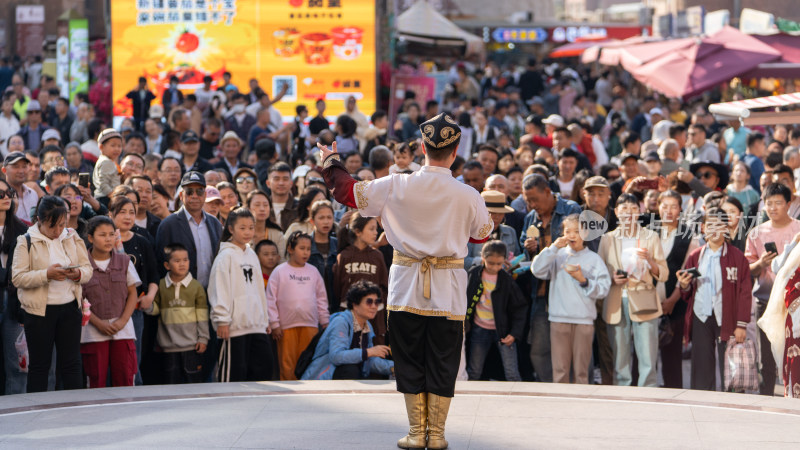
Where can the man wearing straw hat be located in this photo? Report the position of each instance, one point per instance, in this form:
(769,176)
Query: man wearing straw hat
(429,217)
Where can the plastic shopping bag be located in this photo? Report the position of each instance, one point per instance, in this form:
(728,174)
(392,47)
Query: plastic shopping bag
(22,352)
(741,366)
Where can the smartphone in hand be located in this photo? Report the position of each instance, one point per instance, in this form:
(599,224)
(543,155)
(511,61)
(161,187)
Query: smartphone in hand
(83,179)
(771,247)
(622,273)
(693,272)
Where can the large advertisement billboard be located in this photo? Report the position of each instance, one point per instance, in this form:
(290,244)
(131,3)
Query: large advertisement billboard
(317,48)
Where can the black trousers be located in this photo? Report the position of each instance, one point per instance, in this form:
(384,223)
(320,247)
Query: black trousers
(183,367)
(347,372)
(769,371)
(705,336)
(60,327)
(672,353)
(426,352)
(251,358)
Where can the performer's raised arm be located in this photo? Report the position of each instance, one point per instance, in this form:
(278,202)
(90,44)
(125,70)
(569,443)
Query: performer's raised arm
(336,176)
(368,197)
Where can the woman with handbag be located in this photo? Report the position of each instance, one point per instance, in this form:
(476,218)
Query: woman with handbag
(48,273)
(636,262)
(677,242)
(718,294)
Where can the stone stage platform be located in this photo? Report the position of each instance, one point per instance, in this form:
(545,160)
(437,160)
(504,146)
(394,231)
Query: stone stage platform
(371,415)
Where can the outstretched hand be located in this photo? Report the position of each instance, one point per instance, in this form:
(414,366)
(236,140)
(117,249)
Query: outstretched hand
(325,151)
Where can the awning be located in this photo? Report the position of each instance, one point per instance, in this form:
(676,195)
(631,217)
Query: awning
(741,110)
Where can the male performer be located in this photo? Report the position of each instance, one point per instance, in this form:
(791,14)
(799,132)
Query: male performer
(428,217)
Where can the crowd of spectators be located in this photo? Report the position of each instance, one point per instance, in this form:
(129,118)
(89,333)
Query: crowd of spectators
(154,233)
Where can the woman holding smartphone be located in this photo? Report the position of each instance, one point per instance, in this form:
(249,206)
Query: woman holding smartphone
(49,271)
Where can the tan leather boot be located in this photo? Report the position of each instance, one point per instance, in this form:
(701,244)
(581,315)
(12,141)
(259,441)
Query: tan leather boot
(416,408)
(437,416)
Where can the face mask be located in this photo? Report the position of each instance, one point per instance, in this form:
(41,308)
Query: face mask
(173,85)
(238,109)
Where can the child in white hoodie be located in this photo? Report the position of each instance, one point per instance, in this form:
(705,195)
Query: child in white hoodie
(238,300)
(578,278)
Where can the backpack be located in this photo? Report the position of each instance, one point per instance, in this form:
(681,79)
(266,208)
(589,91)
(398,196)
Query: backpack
(305,358)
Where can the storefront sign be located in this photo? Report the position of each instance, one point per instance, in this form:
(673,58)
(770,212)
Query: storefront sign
(519,35)
(30,30)
(572,34)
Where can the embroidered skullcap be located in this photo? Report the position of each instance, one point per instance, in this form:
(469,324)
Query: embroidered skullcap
(440,131)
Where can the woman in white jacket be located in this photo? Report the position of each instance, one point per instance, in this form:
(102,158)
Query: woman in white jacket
(50,265)
(238,300)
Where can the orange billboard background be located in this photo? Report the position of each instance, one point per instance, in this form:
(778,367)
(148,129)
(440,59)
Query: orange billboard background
(320,48)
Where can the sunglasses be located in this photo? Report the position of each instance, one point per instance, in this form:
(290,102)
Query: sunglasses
(372,301)
(706,175)
(241,180)
(11,193)
(195,191)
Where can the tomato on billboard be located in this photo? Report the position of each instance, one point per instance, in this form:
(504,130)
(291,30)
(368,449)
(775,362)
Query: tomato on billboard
(315,48)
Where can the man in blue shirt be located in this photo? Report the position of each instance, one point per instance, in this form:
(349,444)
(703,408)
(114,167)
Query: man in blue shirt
(754,158)
(735,138)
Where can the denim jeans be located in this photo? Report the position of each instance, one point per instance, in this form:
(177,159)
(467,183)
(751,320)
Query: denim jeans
(539,338)
(480,342)
(138,326)
(16,381)
(645,341)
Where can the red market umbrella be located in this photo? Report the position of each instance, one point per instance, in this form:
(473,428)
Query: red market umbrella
(594,53)
(693,69)
(789,64)
(633,56)
(577,48)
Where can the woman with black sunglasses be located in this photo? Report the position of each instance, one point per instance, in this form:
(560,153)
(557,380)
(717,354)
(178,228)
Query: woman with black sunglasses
(345,350)
(11,318)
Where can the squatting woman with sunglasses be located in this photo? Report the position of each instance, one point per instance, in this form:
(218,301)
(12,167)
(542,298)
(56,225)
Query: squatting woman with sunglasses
(345,350)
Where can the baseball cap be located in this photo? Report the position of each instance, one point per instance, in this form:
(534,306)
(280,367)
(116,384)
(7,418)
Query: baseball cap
(657,111)
(596,181)
(652,156)
(625,156)
(51,133)
(193,178)
(156,111)
(212,194)
(536,100)
(189,136)
(108,133)
(554,120)
(13,158)
(34,105)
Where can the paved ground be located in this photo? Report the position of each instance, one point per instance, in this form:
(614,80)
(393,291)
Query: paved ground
(331,415)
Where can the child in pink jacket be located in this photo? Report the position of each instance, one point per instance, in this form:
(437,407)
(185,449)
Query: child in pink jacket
(298,303)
